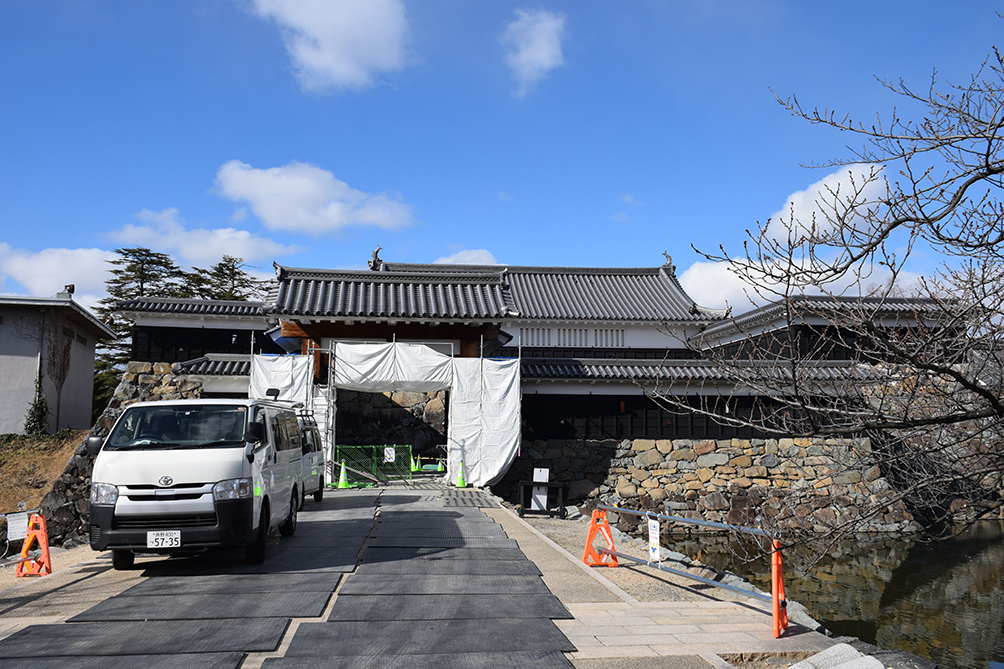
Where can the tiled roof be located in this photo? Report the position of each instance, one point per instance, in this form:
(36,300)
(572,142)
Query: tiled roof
(907,309)
(77,313)
(191,307)
(364,295)
(681,371)
(217,364)
(646,294)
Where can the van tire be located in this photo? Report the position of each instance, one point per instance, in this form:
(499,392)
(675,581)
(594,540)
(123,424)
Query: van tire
(288,527)
(123,560)
(255,552)
(319,493)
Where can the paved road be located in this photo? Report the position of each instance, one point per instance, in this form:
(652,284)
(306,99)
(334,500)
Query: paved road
(395,577)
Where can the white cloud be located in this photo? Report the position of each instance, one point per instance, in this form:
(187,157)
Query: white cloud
(533,46)
(300,197)
(44,273)
(164,231)
(622,215)
(468,257)
(823,202)
(505,197)
(340,43)
(714,285)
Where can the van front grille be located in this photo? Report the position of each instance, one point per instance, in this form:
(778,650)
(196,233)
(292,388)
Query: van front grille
(164,523)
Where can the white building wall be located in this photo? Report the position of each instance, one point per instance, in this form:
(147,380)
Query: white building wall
(18,362)
(597,335)
(78,390)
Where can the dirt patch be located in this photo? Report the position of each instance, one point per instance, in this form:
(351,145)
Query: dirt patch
(30,465)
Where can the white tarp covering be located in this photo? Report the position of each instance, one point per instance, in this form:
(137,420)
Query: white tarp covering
(484,418)
(377,368)
(293,375)
(484,423)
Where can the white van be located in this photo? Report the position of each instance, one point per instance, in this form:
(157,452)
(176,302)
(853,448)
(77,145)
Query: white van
(313,459)
(184,476)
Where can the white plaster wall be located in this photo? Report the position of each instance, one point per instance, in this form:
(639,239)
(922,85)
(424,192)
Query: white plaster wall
(569,334)
(78,391)
(18,361)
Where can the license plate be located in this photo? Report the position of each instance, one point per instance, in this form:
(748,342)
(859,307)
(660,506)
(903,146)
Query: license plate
(163,539)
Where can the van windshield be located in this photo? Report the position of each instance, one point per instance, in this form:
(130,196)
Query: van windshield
(200,426)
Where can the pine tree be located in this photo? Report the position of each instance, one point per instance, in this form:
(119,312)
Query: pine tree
(226,280)
(137,272)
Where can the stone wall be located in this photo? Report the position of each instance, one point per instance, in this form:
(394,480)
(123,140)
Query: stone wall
(67,506)
(414,419)
(808,484)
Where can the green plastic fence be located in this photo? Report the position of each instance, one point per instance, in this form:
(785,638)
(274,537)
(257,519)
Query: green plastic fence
(388,461)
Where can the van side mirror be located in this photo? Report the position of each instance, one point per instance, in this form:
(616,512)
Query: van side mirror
(249,453)
(254,433)
(94,445)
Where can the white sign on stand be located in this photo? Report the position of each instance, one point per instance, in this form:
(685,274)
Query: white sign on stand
(654,554)
(389,454)
(538,495)
(17,526)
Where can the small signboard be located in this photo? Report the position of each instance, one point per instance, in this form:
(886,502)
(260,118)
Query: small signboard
(538,498)
(654,554)
(17,526)
(389,454)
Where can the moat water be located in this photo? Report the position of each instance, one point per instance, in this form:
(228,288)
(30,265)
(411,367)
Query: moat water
(943,601)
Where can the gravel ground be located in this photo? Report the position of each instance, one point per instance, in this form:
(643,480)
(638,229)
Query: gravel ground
(61,559)
(642,582)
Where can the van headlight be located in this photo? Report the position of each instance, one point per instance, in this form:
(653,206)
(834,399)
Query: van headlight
(104,494)
(232,489)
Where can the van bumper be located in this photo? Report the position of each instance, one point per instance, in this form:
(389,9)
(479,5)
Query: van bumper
(233,528)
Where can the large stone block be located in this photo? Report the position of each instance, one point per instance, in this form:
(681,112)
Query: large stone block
(741,461)
(664,446)
(657,494)
(712,460)
(649,458)
(685,454)
(705,447)
(643,445)
(714,502)
(435,414)
(134,367)
(582,488)
(408,399)
(638,474)
(625,489)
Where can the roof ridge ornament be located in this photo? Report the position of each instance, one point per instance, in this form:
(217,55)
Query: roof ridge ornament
(375,263)
(668,265)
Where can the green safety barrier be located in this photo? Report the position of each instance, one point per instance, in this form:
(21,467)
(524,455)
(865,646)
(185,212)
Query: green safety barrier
(393,462)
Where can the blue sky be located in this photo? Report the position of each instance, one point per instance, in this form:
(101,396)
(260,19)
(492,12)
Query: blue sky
(565,133)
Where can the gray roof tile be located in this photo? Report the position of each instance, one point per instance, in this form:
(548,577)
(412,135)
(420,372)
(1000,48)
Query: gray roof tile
(217,364)
(676,370)
(362,295)
(907,309)
(645,294)
(191,307)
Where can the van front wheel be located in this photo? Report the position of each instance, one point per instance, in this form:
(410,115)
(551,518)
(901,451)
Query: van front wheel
(256,551)
(289,527)
(122,560)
